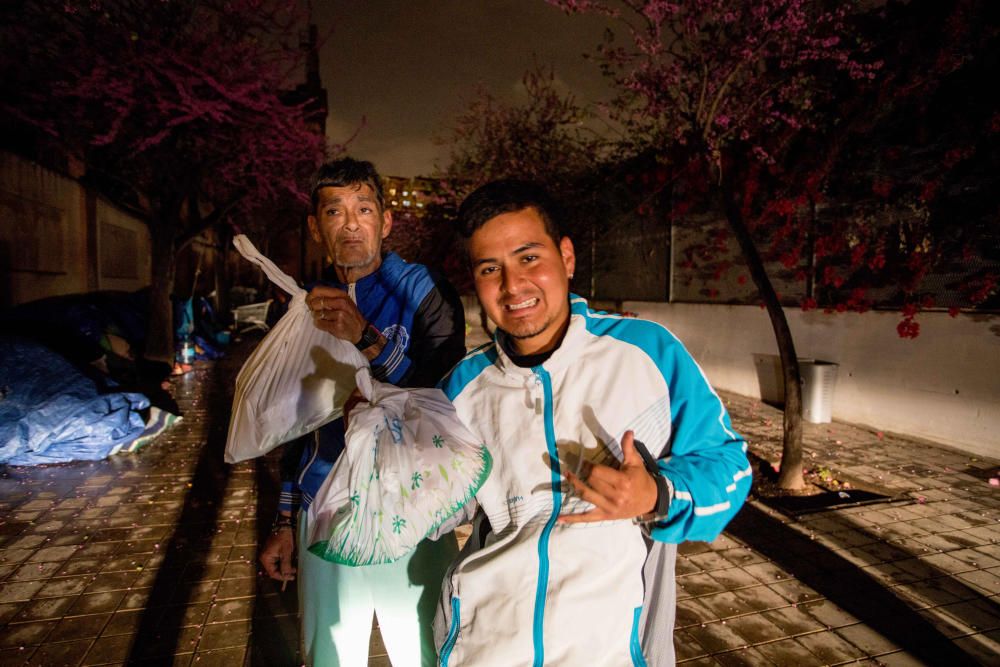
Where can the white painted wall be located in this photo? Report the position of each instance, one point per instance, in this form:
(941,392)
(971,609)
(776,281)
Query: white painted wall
(943,386)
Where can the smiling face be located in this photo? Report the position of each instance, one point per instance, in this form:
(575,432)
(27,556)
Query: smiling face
(349,224)
(522,279)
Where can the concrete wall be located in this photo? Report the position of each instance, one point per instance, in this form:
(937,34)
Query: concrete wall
(49,247)
(124,250)
(43,233)
(943,385)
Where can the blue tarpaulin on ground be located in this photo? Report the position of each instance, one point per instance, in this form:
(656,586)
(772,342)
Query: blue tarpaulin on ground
(50,412)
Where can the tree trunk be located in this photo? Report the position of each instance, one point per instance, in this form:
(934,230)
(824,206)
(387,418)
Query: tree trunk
(790,475)
(223,281)
(160,327)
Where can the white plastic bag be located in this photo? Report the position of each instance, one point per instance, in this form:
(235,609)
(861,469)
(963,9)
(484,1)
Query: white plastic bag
(409,464)
(296,380)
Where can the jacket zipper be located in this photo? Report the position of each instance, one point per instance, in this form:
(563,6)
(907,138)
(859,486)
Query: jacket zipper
(449,643)
(635,647)
(312,458)
(542,376)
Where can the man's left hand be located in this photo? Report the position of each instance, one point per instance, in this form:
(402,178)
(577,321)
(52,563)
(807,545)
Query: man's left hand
(349,404)
(623,493)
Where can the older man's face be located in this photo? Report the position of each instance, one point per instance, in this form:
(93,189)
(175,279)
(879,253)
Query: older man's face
(350,226)
(522,278)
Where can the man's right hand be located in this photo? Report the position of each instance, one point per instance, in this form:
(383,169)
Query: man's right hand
(335,313)
(276,556)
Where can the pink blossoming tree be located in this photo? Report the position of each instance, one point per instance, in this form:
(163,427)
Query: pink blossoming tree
(755,105)
(173,106)
(730,85)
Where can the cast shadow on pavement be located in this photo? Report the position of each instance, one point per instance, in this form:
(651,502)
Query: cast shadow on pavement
(854,590)
(274,634)
(178,584)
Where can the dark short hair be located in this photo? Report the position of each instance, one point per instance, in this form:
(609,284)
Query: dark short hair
(346,172)
(506,196)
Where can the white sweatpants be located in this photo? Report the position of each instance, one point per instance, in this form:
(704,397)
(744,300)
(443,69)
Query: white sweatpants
(336,603)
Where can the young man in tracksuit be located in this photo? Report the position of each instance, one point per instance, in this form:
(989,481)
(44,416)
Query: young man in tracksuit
(410,325)
(609,448)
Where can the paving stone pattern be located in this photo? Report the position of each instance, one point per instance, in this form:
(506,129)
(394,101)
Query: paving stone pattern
(149,558)
(145,558)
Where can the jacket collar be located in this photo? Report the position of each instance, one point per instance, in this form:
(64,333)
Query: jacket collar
(388,272)
(565,355)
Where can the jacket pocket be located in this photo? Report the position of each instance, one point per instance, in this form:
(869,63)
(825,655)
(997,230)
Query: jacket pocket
(449,642)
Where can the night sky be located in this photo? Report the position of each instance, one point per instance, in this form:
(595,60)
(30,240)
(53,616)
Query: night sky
(407,67)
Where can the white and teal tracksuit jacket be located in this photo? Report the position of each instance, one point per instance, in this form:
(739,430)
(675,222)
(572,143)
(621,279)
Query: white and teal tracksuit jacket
(536,592)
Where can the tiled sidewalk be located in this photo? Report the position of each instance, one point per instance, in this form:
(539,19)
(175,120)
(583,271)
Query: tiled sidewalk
(909,582)
(143,558)
(148,558)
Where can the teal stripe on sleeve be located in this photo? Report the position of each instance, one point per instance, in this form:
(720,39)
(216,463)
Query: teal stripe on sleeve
(705,460)
(467,370)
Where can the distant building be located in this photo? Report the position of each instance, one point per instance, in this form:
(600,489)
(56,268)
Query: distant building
(410,195)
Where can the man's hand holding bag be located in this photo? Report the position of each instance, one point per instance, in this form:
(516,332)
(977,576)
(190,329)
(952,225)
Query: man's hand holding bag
(296,380)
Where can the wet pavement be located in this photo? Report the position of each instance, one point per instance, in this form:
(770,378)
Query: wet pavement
(149,558)
(911,580)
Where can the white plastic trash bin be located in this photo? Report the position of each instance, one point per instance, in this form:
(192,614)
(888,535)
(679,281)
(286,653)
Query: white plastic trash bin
(819,378)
